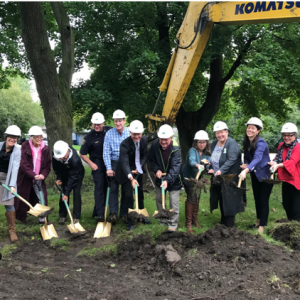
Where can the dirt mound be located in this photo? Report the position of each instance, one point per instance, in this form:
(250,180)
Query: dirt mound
(288,233)
(222,263)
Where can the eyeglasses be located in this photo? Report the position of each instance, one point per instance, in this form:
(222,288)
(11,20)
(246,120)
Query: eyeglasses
(37,137)
(201,142)
(12,137)
(287,135)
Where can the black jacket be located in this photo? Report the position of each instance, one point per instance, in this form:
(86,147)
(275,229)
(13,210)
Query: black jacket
(92,144)
(127,158)
(229,163)
(172,169)
(69,173)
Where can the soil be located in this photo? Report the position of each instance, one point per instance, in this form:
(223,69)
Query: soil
(222,263)
(164,214)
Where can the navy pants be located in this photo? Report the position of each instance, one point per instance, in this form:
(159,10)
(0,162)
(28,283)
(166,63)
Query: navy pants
(76,203)
(100,190)
(261,193)
(114,194)
(291,201)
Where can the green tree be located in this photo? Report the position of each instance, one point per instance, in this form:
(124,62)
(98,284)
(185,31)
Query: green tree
(18,107)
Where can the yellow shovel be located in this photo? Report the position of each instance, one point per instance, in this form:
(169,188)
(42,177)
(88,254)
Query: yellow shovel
(40,211)
(73,228)
(103,229)
(48,231)
(142,212)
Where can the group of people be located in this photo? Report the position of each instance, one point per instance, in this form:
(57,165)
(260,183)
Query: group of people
(118,156)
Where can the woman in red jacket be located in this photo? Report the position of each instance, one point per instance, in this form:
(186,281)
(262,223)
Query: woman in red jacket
(35,165)
(287,163)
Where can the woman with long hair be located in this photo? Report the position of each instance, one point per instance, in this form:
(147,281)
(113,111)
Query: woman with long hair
(256,158)
(199,152)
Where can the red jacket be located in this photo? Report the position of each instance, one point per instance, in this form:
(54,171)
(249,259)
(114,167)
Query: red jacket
(291,172)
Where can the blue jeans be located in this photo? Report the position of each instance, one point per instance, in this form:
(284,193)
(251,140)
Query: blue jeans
(9,208)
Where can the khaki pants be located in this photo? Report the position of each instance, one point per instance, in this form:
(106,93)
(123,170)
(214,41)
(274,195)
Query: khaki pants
(174,204)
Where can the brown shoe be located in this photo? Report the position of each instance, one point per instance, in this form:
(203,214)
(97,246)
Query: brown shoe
(188,216)
(195,214)
(11,221)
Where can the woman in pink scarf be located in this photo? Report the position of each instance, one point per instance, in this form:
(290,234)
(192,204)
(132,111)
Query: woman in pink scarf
(35,165)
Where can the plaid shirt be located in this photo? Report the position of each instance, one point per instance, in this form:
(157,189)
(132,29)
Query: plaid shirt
(111,146)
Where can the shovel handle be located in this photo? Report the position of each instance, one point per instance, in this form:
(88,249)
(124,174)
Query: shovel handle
(198,174)
(163,174)
(136,196)
(163,197)
(17,195)
(272,176)
(68,209)
(240,182)
(107,196)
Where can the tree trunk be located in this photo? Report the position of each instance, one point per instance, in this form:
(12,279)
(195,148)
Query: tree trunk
(188,123)
(53,88)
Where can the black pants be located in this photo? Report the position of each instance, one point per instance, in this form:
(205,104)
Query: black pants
(128,194)
(191,195)
(228,221)
(76,203)
(100,190)
(291,201)
(114,194)
(261,192)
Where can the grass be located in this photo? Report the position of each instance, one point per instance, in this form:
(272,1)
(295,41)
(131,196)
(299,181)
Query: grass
(7,249)
(112,248)
(60,243)
(207,220)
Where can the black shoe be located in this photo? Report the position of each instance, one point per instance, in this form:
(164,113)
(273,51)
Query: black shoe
(129,227)
(100,218)
(146,221)
(124,219)
(252,226)
(113,219)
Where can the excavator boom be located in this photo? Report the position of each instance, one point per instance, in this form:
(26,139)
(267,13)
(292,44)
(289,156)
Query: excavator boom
(193,36)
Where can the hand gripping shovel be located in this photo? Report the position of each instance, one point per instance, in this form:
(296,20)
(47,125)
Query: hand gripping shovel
(40,211)
(271,180)
(73,228)
(237,186)
(103,229)
(164,214)
(48,231)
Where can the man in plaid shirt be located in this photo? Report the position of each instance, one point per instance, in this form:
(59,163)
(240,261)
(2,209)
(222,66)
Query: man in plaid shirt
(111,152)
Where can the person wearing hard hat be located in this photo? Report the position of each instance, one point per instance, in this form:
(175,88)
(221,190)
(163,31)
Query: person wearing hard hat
(164,157)
(69,171)
(287,164)
(197,159)
(133,156)
(35,167)
(10,156)
(225,160)
(111,153)
(92,144)
(256,158)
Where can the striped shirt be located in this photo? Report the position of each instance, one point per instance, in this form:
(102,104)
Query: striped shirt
(111,146)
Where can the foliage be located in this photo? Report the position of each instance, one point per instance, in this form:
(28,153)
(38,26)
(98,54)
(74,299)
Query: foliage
(17,105)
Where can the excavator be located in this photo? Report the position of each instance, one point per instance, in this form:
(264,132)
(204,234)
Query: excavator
(193,36)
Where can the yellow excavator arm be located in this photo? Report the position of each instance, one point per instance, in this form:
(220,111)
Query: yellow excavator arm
(193,36)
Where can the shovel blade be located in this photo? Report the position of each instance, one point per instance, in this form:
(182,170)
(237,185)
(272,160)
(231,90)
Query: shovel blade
(34,212)
(155,213)
(72,228)
(79,227)
(49,232)
(103,230)
(41,207)
(271,181)
(143,212)
(130,210)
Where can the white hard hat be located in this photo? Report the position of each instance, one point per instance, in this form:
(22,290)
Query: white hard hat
(201,135)
(97,118)
(289,127)
(165,132)
(136,127)
(35,130)
(220,126)
(60,149)
(13,130)
(119,114)
(255,121)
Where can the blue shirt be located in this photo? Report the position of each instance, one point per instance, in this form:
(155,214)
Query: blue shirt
(111,146)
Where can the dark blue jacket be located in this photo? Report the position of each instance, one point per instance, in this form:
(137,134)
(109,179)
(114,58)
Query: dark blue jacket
(258,159)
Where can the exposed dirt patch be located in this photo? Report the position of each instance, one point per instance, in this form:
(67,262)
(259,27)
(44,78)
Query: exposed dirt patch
(222,263)
(288,233)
